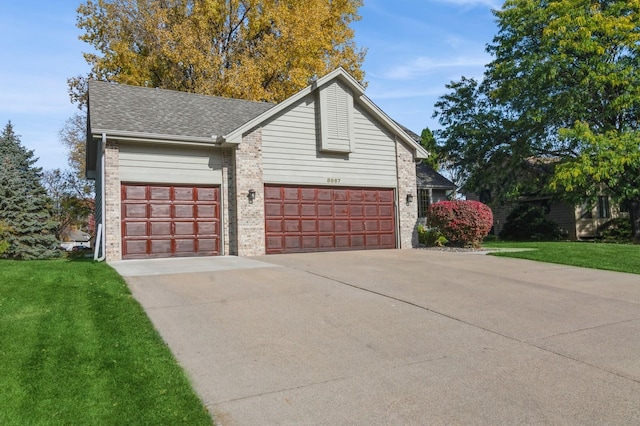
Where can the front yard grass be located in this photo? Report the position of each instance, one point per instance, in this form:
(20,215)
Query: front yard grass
(76,348)
(612,257)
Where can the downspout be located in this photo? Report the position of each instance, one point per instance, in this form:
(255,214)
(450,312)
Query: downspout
(100,239)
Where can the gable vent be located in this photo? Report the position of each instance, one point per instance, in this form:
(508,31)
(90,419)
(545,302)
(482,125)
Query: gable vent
(336,118)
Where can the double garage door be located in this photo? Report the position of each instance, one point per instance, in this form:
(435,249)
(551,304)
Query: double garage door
(170,221)
(308,219)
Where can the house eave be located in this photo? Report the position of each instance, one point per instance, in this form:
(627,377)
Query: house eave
(144,137)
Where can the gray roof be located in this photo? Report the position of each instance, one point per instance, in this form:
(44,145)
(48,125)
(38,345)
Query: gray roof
(429,178)
(122,108)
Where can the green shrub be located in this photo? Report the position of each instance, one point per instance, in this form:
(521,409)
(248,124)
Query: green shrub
(431,237)
(462,222)
(526,223)
(616,230)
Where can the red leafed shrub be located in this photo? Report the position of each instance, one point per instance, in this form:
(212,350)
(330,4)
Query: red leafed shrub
(462,222)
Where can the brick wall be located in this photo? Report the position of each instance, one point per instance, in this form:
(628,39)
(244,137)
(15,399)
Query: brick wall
(407,212)
(112,201)
(249,216)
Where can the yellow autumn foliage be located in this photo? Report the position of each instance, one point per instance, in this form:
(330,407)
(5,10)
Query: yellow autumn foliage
(249,49)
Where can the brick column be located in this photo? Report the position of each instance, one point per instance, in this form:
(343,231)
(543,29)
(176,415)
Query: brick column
(407,212)
(229,203)
(112,199)
(249,215)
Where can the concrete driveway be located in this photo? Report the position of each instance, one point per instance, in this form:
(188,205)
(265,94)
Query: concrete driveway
(399,337)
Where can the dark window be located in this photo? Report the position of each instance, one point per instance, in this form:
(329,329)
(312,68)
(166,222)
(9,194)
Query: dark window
(485,196)
(423,202)
(604,211)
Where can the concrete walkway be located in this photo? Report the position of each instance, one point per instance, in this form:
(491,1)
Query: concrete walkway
(402,337)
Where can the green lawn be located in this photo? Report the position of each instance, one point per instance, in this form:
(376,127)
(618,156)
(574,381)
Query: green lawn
(613,257)
(76,348)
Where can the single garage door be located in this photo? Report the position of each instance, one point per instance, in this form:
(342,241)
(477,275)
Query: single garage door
(307,219)
(170,221)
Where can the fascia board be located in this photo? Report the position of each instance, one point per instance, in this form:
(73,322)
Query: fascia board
(154,137)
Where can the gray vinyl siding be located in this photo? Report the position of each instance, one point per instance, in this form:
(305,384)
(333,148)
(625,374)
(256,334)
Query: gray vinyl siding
(291,154)
(174,165)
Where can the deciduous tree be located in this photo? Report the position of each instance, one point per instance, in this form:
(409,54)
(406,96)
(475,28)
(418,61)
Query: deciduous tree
(563,85)
(248,49)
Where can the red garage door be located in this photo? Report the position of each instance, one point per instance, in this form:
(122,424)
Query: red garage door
(169,221)
(307,219)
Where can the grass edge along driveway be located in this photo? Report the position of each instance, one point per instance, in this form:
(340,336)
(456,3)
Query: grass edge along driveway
(610,257)
(76,348)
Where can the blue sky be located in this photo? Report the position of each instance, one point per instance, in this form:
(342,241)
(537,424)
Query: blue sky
(414,48)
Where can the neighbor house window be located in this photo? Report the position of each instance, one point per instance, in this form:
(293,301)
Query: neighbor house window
(423,202)
(604,211)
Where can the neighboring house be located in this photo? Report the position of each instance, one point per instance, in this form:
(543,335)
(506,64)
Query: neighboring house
(181,174)
(75,238)
(578,222)
(431,187)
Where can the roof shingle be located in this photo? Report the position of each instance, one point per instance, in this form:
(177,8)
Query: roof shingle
(119,107)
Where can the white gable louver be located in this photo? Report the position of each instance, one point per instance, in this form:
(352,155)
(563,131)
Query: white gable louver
(336,118)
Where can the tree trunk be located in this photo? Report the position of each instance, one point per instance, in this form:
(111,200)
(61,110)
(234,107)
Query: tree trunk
(634,213)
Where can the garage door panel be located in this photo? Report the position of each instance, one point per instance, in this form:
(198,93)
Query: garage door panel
(273,210)
(207,246)
(136,228)
(309,242)
(158,229)
(357,241)
(207,194)
(137,211)
(292,243)
(184,211)
(341,226)
(184,228)
(167,221)
(325,226)
(371,225)
(308,194)
(325,210)
(274,225)
(207,228)
(326,242)
(272,193)
(159,193)
(207,211)
(387,241)
(342,241)
(292,225)
(386,225)
(309,226)
(136,247)
(160,248)
(308,210)
(134,192)
(291,209)
(290,194)
(159,210)
(323,218)
(183,194)
(324,194)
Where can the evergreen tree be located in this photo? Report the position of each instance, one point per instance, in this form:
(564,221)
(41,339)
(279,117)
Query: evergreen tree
(24,206)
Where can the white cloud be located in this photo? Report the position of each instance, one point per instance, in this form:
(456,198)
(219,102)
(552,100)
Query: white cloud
(493,4)
(423,66)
